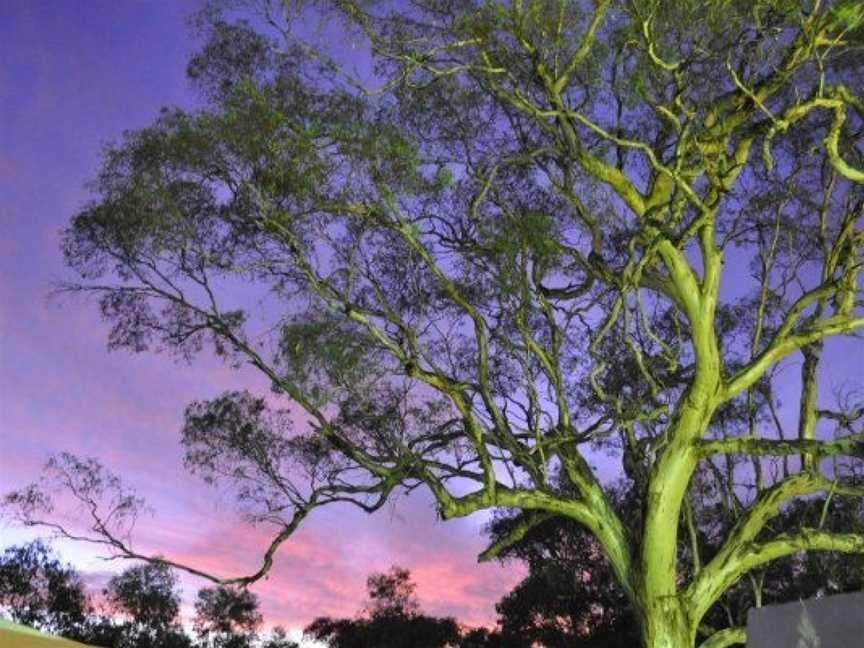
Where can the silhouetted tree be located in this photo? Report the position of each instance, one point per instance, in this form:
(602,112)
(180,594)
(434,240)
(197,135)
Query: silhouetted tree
(483,638)
(551,226)
(146,594)
(278,638)
(147,598)
(392,619)
(570,596)
(392,593)
(141,606)
(36,589)
(227,617)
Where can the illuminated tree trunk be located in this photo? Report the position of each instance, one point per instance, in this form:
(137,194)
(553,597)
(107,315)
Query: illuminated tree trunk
(665,625)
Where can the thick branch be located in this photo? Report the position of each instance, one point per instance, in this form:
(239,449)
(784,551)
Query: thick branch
(785,544)
(585,46)
(600,520)
(732,561)
(781,346)
(852,445)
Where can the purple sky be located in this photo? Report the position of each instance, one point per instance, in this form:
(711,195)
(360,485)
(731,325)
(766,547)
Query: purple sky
(73,76)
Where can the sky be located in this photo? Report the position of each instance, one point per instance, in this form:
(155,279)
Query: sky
(73,76)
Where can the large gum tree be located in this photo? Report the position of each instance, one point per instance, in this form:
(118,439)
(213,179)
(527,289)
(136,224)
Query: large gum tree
(469,243)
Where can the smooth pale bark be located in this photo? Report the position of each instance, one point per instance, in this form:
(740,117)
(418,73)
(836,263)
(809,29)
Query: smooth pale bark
(666,624)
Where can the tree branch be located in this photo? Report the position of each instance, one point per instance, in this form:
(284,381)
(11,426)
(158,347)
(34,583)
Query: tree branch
(727,637)
(852,445)
(514,535)
(781,346)
(732,561)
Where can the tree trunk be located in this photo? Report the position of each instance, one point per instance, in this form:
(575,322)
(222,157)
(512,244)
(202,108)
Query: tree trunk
(666,625)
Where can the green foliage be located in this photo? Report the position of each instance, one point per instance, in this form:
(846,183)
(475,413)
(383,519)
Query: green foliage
(850,14)
(325,356)
(513,237)
(445,177)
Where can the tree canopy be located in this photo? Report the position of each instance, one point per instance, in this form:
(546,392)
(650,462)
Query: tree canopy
(143,610)
(36,589)
(516,233)
(146,593)
(227,617)
(392,619)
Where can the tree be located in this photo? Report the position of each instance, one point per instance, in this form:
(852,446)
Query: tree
(798,576)
(36,589)
(481,638)
(227,617)
(392,619)
(392,593)
(147,598)
(386,631)
(146,594)
(550,225)
(278,639)
(571,597)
